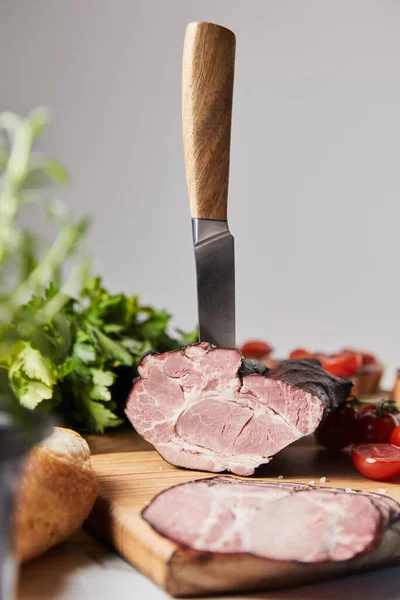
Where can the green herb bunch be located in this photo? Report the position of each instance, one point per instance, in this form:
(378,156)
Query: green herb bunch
(70,346)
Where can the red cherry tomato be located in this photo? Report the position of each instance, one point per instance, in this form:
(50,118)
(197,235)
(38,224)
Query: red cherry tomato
(367,357)
(345,364)
(300,353)
(370,428)
(342,365)
(366,408)
(376,461)
(256,349)
(395,436)
(336,432)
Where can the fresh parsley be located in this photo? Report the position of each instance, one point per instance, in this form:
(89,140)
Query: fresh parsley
(81,363)
(70,348)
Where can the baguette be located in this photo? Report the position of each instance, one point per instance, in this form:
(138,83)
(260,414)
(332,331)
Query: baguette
(56,492)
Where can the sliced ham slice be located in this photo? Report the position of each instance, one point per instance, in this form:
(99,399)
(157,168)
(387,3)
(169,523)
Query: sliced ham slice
(207,408)
(275,521)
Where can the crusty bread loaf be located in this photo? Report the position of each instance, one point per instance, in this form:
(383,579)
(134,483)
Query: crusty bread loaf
(56,493)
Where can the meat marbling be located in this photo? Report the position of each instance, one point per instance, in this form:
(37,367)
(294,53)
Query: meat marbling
(276,521)
(207,408)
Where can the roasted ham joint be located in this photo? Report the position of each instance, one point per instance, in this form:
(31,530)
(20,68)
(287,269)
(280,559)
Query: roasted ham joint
(209,409)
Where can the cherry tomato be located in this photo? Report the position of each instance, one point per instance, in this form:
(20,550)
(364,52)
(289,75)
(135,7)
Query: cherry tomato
(376,461)
(366,408)
(256,349)
(370,428)
(336,432)
(342,365)
(300,353)
(395,436)
(376,425)
(367,357)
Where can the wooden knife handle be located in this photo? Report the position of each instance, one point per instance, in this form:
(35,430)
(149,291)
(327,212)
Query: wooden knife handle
(207,90)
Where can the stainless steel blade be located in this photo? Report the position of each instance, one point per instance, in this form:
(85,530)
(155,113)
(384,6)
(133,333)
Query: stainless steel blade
(215,270)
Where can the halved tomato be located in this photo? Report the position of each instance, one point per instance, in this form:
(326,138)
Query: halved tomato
(376,461)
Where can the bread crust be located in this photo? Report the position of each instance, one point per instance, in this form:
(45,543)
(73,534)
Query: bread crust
(56,492)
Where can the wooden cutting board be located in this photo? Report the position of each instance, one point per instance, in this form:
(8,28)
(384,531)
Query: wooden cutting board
(131,473)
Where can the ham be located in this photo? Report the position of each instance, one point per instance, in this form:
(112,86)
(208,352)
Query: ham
(207,408)
(273,521)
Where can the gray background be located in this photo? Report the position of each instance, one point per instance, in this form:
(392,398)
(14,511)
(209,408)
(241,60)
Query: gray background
(314,187)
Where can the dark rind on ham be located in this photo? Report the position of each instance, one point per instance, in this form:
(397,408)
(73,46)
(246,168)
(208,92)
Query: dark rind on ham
(308,375)
(207,408)
(251,366)
(385,509)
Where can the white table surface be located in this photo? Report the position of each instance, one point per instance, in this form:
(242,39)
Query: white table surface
(83,569)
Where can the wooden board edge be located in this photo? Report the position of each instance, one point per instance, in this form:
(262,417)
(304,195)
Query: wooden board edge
(115,532)
(181,572)
(194,574)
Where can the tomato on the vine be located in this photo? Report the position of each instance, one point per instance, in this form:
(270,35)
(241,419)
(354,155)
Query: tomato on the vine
(355,422)
(336,432)
(376,461)
(370,428)
(395,436)
(256,349)
(366,408)
(376,425)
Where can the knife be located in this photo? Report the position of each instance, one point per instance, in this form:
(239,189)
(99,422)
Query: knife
(207,90)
